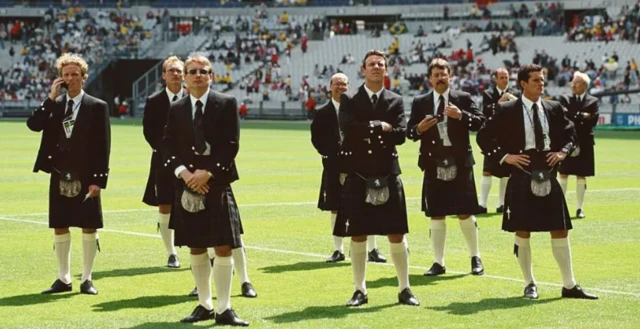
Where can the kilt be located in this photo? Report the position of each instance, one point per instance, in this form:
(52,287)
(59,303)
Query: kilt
(72,212)
(456,197)
(159,188)
(527,212)
(329,198)
(217,225)
(356,217)
(583,164)
(494,168)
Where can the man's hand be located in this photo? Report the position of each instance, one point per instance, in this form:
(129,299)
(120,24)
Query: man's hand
(504,98)
(386,127)
(94,191)
(426,123)
(453,111)
(55,88)
(553,158)
(517,160)
(199,181)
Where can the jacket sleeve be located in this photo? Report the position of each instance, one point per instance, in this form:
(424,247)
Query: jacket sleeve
(148,125)
(353,128)
(170,141)
(398,132)
(416,116)
(317,133)
(569,136)
(224,154)
(472,117)
(487,107)
(102,150)
(41,115)
(487,137)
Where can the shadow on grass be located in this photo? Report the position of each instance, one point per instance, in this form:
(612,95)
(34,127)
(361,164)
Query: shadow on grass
(324,312)
(156,325)
(302,266)
(145,302)
(414,279)
(36,298)
(135,271)
(490,304)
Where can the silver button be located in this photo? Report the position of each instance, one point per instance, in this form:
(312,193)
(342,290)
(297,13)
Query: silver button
(370,152)
(49,157)
(190,166)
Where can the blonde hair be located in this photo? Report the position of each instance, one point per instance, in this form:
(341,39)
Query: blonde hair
(198,59)
(72,59)
(170,60)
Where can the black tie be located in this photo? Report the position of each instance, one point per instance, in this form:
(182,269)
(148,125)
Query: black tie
(537,128)
(441,105)
(175,98)
(69,111)
(201,145)
(374,99)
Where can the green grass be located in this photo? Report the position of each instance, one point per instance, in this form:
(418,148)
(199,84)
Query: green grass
(288,239)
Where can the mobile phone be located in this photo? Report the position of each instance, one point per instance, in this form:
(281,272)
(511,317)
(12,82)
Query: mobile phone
(65,85)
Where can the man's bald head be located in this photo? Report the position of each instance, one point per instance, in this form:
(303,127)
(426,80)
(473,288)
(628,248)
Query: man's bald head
(338,84)
(501,78)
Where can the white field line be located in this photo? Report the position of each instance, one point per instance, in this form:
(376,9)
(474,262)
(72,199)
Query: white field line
(284,204)
(307,254)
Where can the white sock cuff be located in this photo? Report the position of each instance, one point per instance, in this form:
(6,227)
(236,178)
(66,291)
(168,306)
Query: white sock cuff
(504,180)
(62,237)
(581,181)
(211,252)
(523,242)
(199,259)
(358,247)
(486,180)
(397,248)
(563,180)
(90,236)
(438,224)
(164,218)
(223,261)
(560,243)
(468,223)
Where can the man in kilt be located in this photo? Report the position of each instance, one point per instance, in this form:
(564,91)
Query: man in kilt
(583,110)
(159,191)
(501,93)
(531,136)
(201,141)
(74,149)
(441,120)
(326,138)
(373,201)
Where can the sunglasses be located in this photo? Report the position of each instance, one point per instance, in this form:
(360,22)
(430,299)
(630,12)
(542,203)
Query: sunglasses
(201,71)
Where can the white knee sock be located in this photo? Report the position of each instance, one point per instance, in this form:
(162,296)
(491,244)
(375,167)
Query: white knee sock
(485,187)
(211,252)
(563,184)
(240,261)
(438,238)
(469,229)
(371,243)
(166,233)
(503,190)
(400,259)
(62,244)
(201,269)
(523,253)
(222,274)
(89,249)
(337,240)
(562,254)
(581,188)
(359,265)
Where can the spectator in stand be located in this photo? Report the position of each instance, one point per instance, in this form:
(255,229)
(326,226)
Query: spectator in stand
(243,111)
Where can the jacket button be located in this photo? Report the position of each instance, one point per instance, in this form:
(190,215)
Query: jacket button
(370,152)
(190,166)
(49,157)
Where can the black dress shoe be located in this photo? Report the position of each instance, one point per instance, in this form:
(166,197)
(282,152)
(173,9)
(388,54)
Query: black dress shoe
(194,292)
(229,318)
(576,292)
(359,298)
(406,297)
(87,288)
(173,261)
(531,291)
(199,314)
(376,257)
(500,209)
(579,214)
(482,210)
(436,269)
(337,256)
(476,266)
(58,286)
(248,291)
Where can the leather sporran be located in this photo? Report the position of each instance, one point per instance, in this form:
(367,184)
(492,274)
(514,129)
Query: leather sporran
(447,169)
(576,152)
(70,184)
(377,190)
(191,201)
(540,183)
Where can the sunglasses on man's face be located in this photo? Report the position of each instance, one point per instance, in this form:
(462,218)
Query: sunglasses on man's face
(201,71)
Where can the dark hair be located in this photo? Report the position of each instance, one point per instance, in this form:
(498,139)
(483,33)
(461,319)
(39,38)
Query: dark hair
(374,52)
(438,63)
(525,70)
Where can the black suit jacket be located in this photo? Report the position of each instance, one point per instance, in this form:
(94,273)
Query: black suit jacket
(575,109)
(504,133)
(490,99)
(156,110)
(90,143)
(325,134)
(430,149)
(221,130)
(366,149)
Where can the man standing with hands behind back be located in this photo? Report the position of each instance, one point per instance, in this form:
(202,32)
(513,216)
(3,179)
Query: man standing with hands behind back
(74,149)
(201,142)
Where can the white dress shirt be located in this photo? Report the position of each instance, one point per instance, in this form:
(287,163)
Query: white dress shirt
(193,100)
(180,94)
(530,137)
(436,102)
(76,108)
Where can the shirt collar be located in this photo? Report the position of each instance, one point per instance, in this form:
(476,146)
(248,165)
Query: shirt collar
(370,93)
(180,94)
(203,99)
(436,96)
(77,99)
(335,104)
(582,96)
(528,103)
(502,91)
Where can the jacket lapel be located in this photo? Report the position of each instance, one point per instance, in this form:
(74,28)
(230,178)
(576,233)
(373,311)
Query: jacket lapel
(519,124)
(82,119)
(363,99)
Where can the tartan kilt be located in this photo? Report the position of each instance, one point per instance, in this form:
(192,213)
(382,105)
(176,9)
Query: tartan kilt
(72,212)
(494,168)
(581,165)
(456,197)
(159,189)
(218,225)
(329,198)
(524,211)
(356,217)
